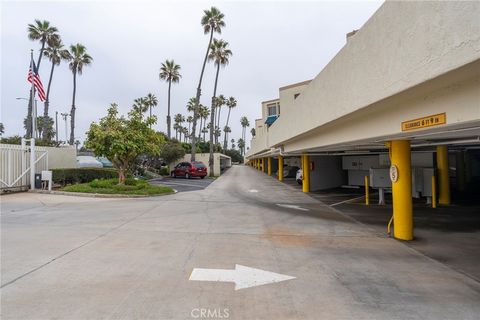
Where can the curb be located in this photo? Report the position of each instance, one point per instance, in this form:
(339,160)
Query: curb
(100,195)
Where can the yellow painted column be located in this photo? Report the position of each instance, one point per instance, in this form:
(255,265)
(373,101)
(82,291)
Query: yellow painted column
(402,189)
(269,166)
(263,164)
(280,168)
(306,173)
(460,171)
(443,177)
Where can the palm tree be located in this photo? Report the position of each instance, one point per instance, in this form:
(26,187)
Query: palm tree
(189,120)
(212,22)
(179,119)
(170,72)
(46,34)
(233,143)
(226,131)
(185,133)
(151,101)
(231,103)
(220,101)
(244,122)
(140,104)
(176,127)
(55,52)
(220,54)
(203,114)
(78,59)
(241,145)
(253,132)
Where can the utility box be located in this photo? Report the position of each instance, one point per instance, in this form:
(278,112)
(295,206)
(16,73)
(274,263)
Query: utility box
(380,178)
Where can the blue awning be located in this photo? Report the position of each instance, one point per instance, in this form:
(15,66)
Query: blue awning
(271,119)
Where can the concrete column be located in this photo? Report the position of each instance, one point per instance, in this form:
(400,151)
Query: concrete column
(460,171)
(263,164)
(443,176)
(280,168)
(402,190)
(468,167)
(306,173)
(269,166)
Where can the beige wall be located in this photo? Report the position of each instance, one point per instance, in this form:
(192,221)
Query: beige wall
(411,59)
(62,157)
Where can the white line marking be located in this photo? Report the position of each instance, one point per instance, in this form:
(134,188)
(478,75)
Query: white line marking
(292,206)
(242,276)
(253,190)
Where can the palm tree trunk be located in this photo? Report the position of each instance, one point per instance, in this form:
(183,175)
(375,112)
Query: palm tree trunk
(225,134)
(40,56)
(218,125)
(212,123)
(197,101)
(72,111)
(200,129)
(169,120)
(47,103)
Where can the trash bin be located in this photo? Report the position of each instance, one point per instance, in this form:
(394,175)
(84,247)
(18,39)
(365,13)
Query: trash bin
(38,181)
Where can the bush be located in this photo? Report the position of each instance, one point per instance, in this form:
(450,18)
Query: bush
(165,171)
(82,175)
(110,186)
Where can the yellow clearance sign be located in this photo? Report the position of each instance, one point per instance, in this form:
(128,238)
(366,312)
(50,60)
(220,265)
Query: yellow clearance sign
(428,121)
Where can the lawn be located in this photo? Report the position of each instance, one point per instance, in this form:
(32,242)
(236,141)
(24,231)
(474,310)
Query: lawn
(110,186)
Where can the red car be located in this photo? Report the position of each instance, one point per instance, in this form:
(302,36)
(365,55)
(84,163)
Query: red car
(189,170)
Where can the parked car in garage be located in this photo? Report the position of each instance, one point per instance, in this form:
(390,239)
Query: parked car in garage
(88,162)
(289,171)
(299,176)
(189,170)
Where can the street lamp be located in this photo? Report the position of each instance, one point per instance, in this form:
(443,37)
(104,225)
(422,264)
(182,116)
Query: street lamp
(64,116)
(34,116)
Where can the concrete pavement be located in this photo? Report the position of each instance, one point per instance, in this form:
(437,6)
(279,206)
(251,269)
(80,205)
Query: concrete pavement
(87,258)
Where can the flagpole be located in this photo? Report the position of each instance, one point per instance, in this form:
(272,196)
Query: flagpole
(32,97)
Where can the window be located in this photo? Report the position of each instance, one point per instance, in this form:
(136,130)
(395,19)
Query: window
(272,109)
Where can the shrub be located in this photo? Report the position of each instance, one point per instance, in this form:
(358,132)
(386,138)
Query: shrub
(165,171)
(82,175)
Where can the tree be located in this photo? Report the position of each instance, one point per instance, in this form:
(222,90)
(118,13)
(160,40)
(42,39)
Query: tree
(45,33)
(203,114)
(189,120)
(220,101)
(252,132)
(179,119)
(122,140)
(170,72)
(231,103)
(241,145)
(78,59)
(151,101)
(235,155)
(2,129)
(55,52)
(233,143)
(140,104)
(220,54)
(244,122)
(171,151)
(212,22)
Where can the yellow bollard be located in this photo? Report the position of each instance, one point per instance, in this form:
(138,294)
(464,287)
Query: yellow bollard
(280,168)
(443,177)
(402,189)
(269,166)
(306,173)
(367,191)
(434,192)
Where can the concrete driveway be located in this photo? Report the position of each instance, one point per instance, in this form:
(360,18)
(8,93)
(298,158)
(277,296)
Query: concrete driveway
(182,185)
(85,258)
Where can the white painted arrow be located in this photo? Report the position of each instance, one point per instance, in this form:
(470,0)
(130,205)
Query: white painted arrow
(292,206)
(242,276)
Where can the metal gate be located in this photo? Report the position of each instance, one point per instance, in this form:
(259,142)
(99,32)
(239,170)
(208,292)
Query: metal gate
(15,164)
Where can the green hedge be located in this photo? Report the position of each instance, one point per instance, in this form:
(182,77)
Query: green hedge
(82,175)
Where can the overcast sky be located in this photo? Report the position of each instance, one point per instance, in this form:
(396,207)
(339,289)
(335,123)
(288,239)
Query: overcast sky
(274,44)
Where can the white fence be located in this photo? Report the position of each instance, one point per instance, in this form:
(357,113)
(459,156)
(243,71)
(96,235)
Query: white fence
(15,166)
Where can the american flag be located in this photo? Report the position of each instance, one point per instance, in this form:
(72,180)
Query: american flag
(35,77)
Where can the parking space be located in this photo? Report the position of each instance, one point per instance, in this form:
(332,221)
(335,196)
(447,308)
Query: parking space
(184,185)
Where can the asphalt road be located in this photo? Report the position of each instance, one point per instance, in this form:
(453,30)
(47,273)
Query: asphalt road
(182,184)
(65,257)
